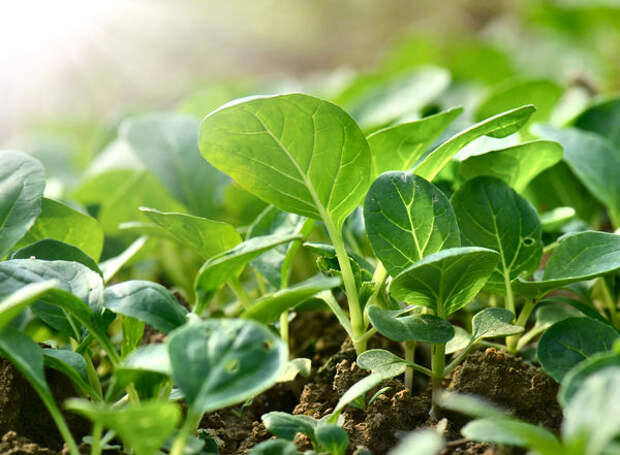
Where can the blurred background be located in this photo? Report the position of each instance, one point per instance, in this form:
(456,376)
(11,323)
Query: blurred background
(85,62)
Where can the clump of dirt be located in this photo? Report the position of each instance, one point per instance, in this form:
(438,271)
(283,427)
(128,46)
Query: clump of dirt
(318,336)
(12,444)
(512,383)
(22,411)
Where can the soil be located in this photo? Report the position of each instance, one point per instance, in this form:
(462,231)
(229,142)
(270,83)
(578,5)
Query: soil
(507,381)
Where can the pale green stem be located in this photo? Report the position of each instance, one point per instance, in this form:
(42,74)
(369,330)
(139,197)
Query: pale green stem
(513,340)
(409,357)
(191,422)
(609,301)
(284,332)
(438,365)
(379,278)
(95,447)
(356,316)
(457,360)
(60,422)
(237,288)
(550,247)
(509,301)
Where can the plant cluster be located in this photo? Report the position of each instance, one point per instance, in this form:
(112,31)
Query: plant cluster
(442,231)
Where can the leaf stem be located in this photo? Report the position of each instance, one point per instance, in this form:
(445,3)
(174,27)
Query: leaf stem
(95,447)
(438,364)
(191,422)
(409,357)
(237,288)
(509,301)
(356,316)
(59,420)
(609,301)
(284,332)
(513,340)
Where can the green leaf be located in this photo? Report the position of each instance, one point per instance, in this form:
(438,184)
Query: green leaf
(573,381)
(268,308)
(594,160)
(399,147)
(459,341)
(219,269)
(543,94)
(553,220)
(494,216)
(274,221)
(52,250)
(513,433)
(111,266)
(167,144)
(299,153)
(471,405)
(568,342)
(146,301)
(422,442)
(141,189)
(299,366)
(22,181)
(60,222)
(602,118)
(516,165)
(579,256)
(286,426)
(149,364)
(447,280)
(493,322)
(591,417)
(12,305)
(274,447)
(218,363)
(418,327)
(143,426)
(205,237)
(332,438)
(406,219)
(499,126)
(72,365)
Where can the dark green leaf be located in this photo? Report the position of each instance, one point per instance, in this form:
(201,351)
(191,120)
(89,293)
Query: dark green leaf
(147,301)
(274,447)
(493,215)
(418,327)
(269,307)
(573,381)
(284,425)
(301,154)
(493,322)
(447,280)
(22,181)
(52,250)
(15,302)
(568,342)
(332,438)
(218,363)
(406,219)
(602,118)
(516,165)
(72,365)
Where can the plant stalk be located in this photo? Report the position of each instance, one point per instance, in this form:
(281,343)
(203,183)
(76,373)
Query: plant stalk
(438,365)
(512,341)
(358,327)
(191,422)
(410,357)
(95,447)
(509,301)
(237,288)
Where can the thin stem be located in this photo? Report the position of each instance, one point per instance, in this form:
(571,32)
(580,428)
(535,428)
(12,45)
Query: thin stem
(379,278)
(356,316)
(550,247)
(284,333)
(609,301)
(510,299)
(457,360)
(60,422)
(95,447)
(237,288)
(513,340)
(438,364)
(191,422)
(409,357)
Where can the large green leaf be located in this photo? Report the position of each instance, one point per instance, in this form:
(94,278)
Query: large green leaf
(568,342)
(406,219)
(15,302)
(516,165)
(219,269)
(60,222)
(413,327)
(573,381)
(602,118)
(302,154)
(72,365)
(138,190)
(206,237)
(499,126)
(594,160)
(269,307)
(144,426)
(493,322)
(579,256)
(22,181)
(167,144)
(399,147)
(447,280)
(543,94)
(52,250)
(493,215)
(591,421)
(218,363)
(147,301)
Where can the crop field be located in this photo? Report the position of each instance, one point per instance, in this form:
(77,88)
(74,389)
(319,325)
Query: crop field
(417,258)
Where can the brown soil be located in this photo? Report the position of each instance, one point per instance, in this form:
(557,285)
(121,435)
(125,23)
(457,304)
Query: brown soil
(22,411)
(11,444)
